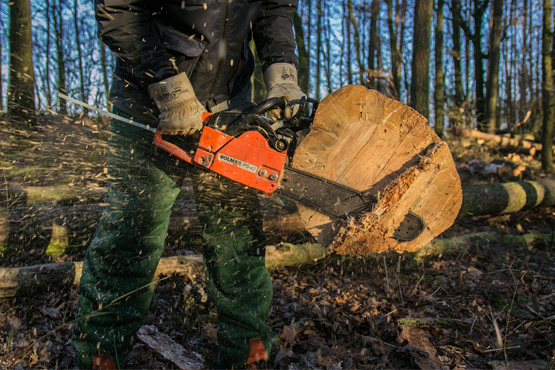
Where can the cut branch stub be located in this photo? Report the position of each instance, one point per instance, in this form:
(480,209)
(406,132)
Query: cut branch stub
(379,146)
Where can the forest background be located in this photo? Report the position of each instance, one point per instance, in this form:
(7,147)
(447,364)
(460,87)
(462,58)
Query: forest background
(471,63)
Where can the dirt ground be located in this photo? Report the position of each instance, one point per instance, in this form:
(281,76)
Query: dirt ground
(488,307)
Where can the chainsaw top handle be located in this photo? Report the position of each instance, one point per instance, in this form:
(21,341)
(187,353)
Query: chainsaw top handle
(250,117)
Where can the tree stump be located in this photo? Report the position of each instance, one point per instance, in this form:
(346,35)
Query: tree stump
(379,146)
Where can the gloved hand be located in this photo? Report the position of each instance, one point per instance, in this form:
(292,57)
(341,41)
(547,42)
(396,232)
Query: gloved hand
(281,81)
(180,110)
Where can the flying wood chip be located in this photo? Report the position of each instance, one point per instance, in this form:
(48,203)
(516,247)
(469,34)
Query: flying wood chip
(379,146)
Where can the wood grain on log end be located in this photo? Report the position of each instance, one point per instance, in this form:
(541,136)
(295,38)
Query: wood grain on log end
(380,146)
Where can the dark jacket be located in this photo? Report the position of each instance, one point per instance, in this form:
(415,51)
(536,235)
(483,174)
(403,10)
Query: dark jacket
(207,39)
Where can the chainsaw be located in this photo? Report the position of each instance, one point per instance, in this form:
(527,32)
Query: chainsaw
(245,146)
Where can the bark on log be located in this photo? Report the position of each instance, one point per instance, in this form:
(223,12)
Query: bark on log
(17,281)
(460,244)
(509,197)
(380,146)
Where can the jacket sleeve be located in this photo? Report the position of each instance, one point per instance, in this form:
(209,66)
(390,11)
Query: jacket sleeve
(273,32)
(125,26)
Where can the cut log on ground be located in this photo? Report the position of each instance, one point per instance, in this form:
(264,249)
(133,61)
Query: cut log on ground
(18,281)
(497,139)
(460,244)
(509,197)
(35,226)
(516,150)
(379,146)
(11,196)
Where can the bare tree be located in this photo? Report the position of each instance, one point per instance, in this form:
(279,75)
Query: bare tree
(420,81)
(547,89)
(79,53)
(439,78)
(374,42)
(21,93)
(356,39)
(60,60)
(492,84)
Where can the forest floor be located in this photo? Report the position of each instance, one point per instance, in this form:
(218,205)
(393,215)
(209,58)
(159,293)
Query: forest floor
(489,307)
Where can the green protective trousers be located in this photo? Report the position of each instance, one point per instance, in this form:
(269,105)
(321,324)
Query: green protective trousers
(116,285)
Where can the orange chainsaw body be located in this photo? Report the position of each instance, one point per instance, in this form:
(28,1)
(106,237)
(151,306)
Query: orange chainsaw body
(247,159)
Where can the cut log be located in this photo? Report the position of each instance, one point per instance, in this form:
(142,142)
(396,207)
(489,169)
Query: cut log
(33,226)
(517,150)
(509,197)
(497,139)
(379,146)
(11,196)
(18,281)
(460,244)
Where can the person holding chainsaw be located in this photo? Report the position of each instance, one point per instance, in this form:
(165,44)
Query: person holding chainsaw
(176,60)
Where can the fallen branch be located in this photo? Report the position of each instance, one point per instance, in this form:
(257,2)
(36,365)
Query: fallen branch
(16,281)
(169,349)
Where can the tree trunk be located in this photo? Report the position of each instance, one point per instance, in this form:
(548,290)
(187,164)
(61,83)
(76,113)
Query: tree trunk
(328,61)
(547,89)
(457,53)
(21,89)
(396,62)
(60,54)
(347,41)
(420,81)
(476,39)
(79,55)
(374,42)
(48,91)
(439,78)
(492,86)
(24,281)
(356,39)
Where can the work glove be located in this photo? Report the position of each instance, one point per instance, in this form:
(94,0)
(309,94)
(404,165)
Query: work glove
(281,82)
(180,110)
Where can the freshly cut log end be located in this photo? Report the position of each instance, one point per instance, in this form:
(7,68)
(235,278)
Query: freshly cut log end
(384,148)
